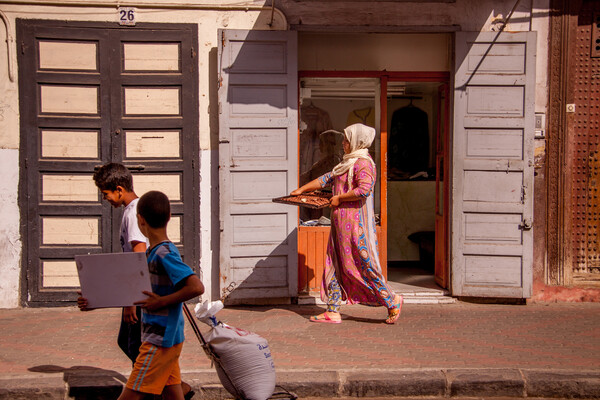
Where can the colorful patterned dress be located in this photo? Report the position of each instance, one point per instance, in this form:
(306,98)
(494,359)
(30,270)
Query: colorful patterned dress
(352,270)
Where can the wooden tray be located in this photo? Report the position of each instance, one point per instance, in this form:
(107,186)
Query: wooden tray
(316,199)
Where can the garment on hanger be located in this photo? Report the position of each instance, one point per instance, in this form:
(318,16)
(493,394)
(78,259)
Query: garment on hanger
(365,116)
(331,151)
(408,142)
(313,121)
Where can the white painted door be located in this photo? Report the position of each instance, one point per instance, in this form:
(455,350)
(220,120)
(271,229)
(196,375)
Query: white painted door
(258,151)
(492,178)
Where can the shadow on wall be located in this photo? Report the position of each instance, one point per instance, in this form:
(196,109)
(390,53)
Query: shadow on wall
(268,280)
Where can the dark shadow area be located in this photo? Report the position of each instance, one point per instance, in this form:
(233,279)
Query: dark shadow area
(412,275)
(87,383)
(493,300)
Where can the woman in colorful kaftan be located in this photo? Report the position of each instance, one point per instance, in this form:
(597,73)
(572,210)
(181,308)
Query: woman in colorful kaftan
(352,270)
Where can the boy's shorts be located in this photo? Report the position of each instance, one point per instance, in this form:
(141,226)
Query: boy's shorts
(155,368)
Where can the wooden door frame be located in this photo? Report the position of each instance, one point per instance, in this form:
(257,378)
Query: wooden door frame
(558,168)
(384,77)
(443,281)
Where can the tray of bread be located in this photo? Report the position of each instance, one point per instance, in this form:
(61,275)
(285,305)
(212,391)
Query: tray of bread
(316,199)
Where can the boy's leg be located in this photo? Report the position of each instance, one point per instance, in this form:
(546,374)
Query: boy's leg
(130,336)
(188,393)
(173,392)
(128,394)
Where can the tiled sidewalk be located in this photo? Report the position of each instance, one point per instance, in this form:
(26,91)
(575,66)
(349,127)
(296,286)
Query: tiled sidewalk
(41,343)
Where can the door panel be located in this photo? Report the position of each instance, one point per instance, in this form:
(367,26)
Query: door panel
(100,94)
(492,195)
(257,162)
(582,152)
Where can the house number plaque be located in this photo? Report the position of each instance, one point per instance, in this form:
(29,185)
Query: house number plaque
(126,16)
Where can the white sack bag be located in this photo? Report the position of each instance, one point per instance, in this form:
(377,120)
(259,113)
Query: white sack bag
(245,363)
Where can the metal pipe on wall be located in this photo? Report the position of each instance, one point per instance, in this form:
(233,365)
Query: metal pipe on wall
(9,41)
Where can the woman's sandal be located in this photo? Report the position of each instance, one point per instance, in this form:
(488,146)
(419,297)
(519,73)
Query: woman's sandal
(325,319)
(394,313)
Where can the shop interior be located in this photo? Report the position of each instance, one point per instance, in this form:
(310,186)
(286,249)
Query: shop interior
(327,106)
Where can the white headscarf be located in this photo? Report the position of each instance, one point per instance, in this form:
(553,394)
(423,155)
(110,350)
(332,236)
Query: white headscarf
(360,137)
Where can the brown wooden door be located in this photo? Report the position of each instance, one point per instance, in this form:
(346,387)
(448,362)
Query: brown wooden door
(92,94)
(583,150)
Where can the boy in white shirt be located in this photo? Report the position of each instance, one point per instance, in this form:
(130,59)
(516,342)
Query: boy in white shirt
(116,185)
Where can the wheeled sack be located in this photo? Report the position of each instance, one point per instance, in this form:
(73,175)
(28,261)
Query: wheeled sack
(242,359)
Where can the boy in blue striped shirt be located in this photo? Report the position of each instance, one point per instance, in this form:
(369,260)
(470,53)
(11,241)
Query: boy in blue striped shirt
(156,369)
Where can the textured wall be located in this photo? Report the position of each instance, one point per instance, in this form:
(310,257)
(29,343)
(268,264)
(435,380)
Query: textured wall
(10,240)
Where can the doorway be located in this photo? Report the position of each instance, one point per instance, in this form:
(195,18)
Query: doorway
(409,113)
(417,237)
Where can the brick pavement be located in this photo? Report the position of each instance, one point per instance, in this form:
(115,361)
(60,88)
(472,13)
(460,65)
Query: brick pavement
(49,343)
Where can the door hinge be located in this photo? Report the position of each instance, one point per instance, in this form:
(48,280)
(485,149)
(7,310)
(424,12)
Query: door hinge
(22,47)
(220,108)
(525,225)
(192,52)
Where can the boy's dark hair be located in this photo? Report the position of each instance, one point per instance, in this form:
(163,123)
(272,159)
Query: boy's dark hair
(155,208)
(111,175)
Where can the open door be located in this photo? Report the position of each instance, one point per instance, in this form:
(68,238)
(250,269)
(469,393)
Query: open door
(441,190)
(258,148)
(492,179)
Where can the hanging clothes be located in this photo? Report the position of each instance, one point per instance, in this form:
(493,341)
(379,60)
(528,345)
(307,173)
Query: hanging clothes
(313,121)
(408,142)
(365,116)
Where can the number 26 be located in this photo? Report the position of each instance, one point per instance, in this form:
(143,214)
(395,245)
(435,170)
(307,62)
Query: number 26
(127,15)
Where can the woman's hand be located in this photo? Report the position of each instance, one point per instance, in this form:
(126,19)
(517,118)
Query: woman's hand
(309,187)
(335,201)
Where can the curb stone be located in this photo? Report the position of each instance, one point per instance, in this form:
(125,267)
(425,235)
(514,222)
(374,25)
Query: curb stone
(426,383)
(565,384)
(310,383)
(103,385)
(27,388)
(485,383)
(407,383)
